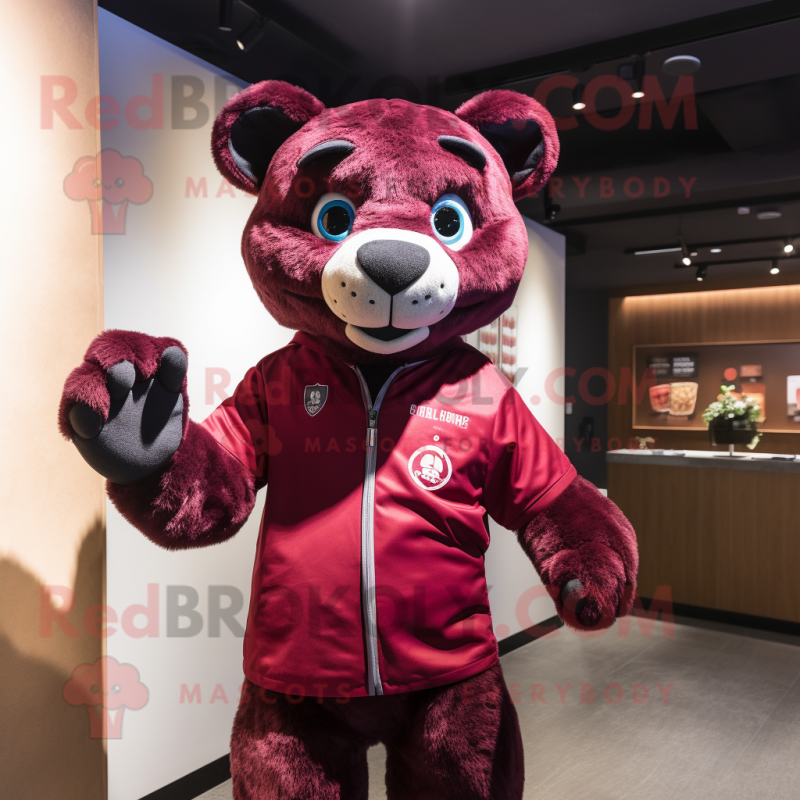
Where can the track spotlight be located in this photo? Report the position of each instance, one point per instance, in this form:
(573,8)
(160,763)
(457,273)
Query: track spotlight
(701,273)
(638,78)
(788,247)
(687,261)
(633,71)
(251,34)
(551,209)
(226,15)
(577,97)
(775,269)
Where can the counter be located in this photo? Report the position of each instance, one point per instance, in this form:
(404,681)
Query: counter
(702,459)
(717,532)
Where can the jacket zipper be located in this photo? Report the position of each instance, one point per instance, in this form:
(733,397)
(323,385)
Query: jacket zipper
(368,600)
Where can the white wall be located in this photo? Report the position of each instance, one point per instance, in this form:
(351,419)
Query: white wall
(176,271)
(540,350)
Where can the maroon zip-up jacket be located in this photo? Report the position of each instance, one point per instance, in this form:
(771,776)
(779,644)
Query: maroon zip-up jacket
(369,574)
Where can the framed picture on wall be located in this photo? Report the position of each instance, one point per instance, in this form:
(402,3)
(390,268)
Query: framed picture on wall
(677,382)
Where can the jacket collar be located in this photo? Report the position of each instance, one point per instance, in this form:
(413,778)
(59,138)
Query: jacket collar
(333,349)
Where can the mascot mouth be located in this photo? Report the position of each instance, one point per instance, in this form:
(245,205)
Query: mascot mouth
(387,339)
(386,334)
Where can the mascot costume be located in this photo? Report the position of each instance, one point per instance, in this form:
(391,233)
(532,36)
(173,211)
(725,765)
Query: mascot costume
(382,233)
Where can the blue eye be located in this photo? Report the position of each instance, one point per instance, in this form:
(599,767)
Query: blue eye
(333,217)
(451,221)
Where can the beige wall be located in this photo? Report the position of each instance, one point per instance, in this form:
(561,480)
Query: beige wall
(51,504)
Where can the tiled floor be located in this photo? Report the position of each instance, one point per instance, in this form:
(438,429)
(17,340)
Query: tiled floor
(729,728)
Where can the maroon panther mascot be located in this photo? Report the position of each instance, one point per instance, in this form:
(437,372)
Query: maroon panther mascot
(383,232)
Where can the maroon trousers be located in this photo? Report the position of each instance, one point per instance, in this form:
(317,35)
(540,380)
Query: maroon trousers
(454,742)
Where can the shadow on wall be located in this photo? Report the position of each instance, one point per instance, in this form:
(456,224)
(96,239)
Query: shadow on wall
(586,428)
(45,745)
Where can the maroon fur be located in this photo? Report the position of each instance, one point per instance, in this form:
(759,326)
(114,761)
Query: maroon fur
(454,742)
(395,174)
(203,497)
(295,103)
(583,535)
(501,105)
(87,383)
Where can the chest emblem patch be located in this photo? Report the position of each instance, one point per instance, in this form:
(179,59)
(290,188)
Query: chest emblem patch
(314,398)
(430,468)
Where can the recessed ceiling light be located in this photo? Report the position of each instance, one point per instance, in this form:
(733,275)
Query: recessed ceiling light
(693,254)
(715,250)
(681,65)
(743,210)
(770,214)
(788,247)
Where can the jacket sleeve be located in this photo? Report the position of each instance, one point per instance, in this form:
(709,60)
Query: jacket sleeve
(241,426)
(526,470)
(579,542)
(208,489)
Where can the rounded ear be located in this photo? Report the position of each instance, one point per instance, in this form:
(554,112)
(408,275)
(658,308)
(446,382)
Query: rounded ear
(521,130)
(254,124)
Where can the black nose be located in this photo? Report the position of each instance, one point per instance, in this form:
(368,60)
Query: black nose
(393,264)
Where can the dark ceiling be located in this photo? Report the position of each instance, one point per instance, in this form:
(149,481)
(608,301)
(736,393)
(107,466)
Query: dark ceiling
(743,150)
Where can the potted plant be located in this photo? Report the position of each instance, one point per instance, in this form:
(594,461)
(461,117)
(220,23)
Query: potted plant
(733,420)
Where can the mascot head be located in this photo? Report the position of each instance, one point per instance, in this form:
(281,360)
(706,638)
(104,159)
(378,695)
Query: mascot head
(384,226)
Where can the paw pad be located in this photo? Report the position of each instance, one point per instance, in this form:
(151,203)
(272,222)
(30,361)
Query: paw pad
(120,379)
(85,421)
(172,369)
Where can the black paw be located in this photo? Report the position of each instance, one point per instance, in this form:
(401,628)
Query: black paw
(145,421)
